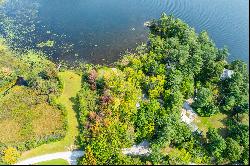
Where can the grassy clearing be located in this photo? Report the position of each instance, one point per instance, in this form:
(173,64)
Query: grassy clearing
(53,162)
(217,121)
(72,84)
(38,120)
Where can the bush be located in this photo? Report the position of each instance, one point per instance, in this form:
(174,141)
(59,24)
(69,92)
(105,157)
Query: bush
(233,151)
(10,155)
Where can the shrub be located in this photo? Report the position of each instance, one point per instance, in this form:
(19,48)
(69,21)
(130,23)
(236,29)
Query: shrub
(10,155)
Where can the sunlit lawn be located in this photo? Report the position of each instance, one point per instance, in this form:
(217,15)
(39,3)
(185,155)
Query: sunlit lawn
(72,84)
(53,162)
(215,121)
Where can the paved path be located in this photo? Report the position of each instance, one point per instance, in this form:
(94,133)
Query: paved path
(70,156)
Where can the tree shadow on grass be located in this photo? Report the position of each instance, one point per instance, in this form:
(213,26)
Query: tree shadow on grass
(76,110)
(223,131)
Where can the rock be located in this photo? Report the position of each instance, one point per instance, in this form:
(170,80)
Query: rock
(147,24)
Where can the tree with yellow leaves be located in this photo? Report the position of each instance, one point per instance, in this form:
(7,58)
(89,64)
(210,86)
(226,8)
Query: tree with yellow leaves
(10,155)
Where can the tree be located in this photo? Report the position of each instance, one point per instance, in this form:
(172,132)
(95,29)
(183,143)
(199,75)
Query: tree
(156,157)
(204,102)
(233,151)
(245,156)
(155,86)
(240,133)
(239,66)
(89,158)
(10,155)
(175,63)
(222,54)
(145,120)
(215,144)
(234,92)
(188,87)
(173,100)
(179,157)
(174,79)
(204,97)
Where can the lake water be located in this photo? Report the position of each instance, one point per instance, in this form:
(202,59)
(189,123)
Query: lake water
(98,31)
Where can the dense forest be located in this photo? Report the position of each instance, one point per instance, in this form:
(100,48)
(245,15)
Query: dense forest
(176,64)
(137,99)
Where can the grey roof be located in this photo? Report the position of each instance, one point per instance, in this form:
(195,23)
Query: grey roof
(226,73)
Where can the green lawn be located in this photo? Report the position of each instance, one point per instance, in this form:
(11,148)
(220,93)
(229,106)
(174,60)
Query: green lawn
(72,84)
(53,162)
(215,121)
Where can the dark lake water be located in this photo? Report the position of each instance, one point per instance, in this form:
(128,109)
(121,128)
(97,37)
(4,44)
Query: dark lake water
(98,31)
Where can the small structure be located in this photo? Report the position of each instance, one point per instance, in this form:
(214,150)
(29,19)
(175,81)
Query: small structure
(137,105)
(185,118)
(188,115)
(141,149)
(168,66)
(226,74)
(147,24)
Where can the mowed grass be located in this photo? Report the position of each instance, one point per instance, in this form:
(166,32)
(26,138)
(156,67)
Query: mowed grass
(53,162)
(72,84)
(215,121)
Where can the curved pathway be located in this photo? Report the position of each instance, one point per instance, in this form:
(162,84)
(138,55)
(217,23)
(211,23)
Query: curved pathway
(72,84)
(70,156)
